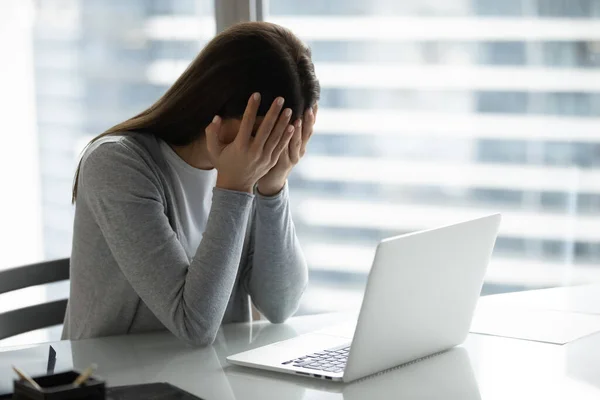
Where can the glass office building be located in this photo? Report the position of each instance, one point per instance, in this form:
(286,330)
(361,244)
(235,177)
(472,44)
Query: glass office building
(431,112)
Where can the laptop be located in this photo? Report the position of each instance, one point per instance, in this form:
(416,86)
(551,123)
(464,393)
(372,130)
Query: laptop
(419,300)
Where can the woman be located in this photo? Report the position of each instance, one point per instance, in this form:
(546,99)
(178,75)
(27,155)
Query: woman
(182,211)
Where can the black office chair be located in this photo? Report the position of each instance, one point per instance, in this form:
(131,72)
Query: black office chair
(39,316)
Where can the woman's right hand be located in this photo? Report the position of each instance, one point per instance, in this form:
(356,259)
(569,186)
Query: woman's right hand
(244,161)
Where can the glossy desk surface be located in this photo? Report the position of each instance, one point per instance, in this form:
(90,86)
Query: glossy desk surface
(484,367)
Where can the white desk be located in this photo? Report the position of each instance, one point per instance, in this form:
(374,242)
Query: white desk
(485,367)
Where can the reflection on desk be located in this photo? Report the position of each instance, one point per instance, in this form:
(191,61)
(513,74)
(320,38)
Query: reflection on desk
(445,376)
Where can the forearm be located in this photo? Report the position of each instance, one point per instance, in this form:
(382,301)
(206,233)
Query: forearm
(279,273)
(212,272)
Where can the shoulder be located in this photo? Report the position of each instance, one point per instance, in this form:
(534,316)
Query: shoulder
(110,153)
(118,163)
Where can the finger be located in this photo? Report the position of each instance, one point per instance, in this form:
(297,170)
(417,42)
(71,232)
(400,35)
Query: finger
(212,134)
(278,131)
(284,142)
(307,129)
(248,120)
(268,123)
(307,123)
(298,126)
(295,143)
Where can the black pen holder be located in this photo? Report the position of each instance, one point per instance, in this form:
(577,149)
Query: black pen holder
(60,387)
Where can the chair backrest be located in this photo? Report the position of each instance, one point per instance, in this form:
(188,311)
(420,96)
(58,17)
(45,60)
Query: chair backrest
(39,316)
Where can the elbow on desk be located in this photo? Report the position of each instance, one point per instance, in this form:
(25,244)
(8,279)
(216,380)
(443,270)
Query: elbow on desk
(277,318)
(279,313)
(278,309)
(280,305)
(199,333)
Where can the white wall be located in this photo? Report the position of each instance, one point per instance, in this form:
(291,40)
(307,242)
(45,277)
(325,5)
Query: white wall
(20,208)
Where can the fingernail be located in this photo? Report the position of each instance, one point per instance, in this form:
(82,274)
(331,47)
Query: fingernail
(287,112)
(310,111)
(216,119)
(280,101)
(290,128)
(299,123)
(256,96)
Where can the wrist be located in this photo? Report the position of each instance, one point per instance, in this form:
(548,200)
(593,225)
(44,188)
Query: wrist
(270,189)
(223,183)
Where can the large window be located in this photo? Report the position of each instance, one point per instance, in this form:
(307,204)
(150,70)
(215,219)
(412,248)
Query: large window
(436,111)
(431,112)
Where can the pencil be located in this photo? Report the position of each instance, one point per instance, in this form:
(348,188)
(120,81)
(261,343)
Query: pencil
(85,375)
(25,377)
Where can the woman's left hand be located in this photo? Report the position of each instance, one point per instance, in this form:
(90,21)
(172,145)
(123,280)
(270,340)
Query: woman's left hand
(272,183)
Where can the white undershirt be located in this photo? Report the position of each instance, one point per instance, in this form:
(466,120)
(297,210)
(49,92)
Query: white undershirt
(193,192)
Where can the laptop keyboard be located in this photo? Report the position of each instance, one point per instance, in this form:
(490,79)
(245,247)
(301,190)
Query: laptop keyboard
(331,360)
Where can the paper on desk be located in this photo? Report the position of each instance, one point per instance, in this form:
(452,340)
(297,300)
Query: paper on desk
(583,299)
(549,326)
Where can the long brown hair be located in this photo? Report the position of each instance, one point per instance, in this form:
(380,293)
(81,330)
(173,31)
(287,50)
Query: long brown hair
(246,58)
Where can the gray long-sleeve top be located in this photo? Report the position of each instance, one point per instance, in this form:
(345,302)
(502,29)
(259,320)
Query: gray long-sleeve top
(130,272)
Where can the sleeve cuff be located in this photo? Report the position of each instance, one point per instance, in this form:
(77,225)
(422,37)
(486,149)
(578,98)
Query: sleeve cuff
(232,196)
(282,193)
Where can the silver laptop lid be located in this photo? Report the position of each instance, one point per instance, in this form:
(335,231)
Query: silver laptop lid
(421,295)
